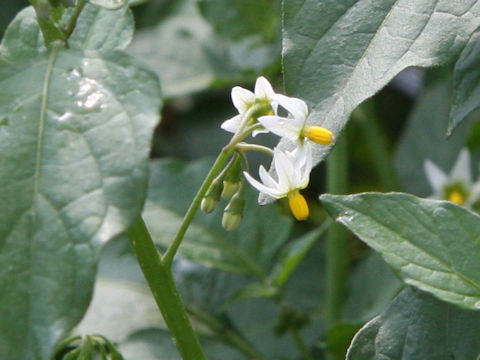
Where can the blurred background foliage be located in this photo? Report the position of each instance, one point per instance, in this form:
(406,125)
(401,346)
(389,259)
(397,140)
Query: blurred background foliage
(200,49)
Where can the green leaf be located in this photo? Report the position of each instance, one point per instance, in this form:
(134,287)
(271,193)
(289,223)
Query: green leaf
(73,161)
(112,306)
(371,287)
(433,245)
(418,326)
(294,254)
(337,54)
(249,249)
(466,83)
(110,4)
(149,345)
(189,56)
(101,29)
(427,124)
(237,19)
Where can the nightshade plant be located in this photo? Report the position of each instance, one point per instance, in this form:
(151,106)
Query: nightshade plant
(92,188)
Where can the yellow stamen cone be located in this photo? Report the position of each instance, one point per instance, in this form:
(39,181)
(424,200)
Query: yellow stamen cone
(456,197)
(318,134)
(298,205)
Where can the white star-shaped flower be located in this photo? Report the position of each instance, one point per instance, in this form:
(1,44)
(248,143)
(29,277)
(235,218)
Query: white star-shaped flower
(457,186)
(294,126)
(293,172)
(243,99)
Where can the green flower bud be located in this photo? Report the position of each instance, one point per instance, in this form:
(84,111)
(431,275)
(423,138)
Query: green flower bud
(231,181)
(212,197)
(229,188)
(232,214)
(231,221)
(208,204)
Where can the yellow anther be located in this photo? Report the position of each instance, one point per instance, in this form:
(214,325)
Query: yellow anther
(456,197)
(298,205)
(318,134)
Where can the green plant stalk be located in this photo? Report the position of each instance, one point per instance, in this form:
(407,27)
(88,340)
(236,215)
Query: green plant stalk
(165,293)
(167,258)
(337,263)
(73,19)
(226,152)
(226,334)
(377,145)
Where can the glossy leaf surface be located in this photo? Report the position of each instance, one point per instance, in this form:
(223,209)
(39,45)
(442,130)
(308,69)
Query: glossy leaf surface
(74,143)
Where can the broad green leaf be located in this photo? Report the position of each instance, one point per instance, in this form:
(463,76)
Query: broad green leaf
(418,326)
(190,56)
(237,19)
(336,54)
(110,4)
(466,83)
(249,249)
(433,245)
(294,254)
(101,29)
(112,306)
(74,144)
(424,138)
(371,287)
(187,55)
(149,345)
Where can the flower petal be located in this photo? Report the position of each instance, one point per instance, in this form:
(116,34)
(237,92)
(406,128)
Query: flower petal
(461,169)
(263,89)
(284,169)
(281,126)
(262,188)
(266,178)
(242,99)
(297,107)
(436,177)
(231,125)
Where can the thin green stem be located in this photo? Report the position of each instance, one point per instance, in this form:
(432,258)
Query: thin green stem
(337,263)
(241,134)
(167,258)
(254,147)
(226,334)
(377,145)
(73,19)
(160,281)
(301,344)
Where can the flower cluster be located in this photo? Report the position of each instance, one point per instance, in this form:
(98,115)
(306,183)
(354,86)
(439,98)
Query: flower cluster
(258,112)
(458,186)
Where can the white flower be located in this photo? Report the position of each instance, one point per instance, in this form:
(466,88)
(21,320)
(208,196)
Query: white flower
(293,172)
(243,99)
(457,186)
(294,126)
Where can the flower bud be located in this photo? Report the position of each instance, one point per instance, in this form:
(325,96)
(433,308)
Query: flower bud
(231,181)
(229,188)
(232,215)
(212,197)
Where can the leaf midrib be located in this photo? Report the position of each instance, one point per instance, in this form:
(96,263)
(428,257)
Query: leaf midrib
(36,178)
